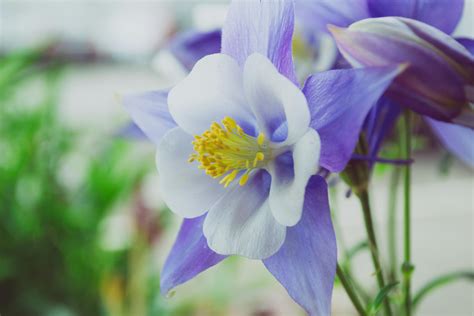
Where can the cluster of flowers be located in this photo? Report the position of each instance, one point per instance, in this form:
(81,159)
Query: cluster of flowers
(243,147)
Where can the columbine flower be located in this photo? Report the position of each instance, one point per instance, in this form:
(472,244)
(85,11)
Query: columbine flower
(440,80)
(239,148)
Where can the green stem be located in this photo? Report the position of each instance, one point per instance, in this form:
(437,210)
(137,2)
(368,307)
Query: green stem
(369,226)
(392,231)
(350,291)
(407,267)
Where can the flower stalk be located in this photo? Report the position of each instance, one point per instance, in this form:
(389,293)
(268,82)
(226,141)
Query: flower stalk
(407,267)
(350,291)
(369,226)
(391,221)
(357,175)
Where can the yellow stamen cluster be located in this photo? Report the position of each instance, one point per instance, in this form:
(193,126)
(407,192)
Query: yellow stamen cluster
(225,151)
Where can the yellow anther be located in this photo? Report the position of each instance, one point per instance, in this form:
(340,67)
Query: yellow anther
(243,179)
(229,123)
(216,127)
(229,178)
(261,139)
(258,157)
(225,151)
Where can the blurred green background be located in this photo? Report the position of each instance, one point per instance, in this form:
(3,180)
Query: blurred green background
(52,261)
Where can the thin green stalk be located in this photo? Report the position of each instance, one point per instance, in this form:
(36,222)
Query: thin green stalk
(369,226)
(407,267)
(350,291)
(392,223)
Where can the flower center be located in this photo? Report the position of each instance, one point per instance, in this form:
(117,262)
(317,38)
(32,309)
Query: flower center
(225,151)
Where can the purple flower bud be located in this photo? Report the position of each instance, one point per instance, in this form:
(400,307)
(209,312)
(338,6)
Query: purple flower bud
(439,79)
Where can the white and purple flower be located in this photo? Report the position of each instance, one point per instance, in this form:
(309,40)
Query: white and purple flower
(240,146)
(440,78)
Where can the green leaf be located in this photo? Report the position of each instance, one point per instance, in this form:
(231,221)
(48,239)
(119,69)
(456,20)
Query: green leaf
(441,281)
(374,307)
(353,251)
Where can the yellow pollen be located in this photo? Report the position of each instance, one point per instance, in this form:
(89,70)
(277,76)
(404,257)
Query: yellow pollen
(225,150)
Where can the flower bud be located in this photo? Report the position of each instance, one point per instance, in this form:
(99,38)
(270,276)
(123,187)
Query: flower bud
(439,79)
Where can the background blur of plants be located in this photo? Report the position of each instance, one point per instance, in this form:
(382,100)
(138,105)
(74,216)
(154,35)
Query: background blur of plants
(51,255)
(83,230)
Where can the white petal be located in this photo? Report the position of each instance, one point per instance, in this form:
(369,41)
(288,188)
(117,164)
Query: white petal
(241,222)
(187,190)
(274,99)
(210,92)
(288,186)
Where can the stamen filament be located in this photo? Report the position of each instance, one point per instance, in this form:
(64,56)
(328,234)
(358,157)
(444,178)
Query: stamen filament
(226,150)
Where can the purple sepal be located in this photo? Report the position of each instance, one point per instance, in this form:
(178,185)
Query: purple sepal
(264,27)
(306,263)
(314,16)
(191,46)
(446,45)
(456,139)
(339,101)
(131,130)
(442,14)
(189,256)
(149,112)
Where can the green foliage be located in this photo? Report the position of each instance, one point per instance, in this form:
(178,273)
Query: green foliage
(441,281)
(356,249)
(50,255)
(375,306)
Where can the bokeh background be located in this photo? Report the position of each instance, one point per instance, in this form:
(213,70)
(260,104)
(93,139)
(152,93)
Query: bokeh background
(83,230)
